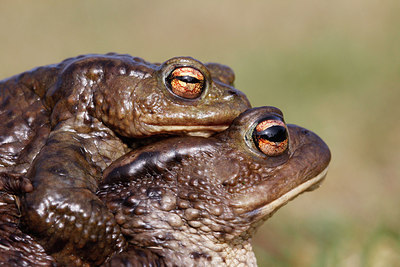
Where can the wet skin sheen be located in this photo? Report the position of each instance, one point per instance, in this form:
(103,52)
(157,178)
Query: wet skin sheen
(63,124)
(195,201)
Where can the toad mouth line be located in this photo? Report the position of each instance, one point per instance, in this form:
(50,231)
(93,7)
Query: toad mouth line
(270,208)
(277,203)
(195,130)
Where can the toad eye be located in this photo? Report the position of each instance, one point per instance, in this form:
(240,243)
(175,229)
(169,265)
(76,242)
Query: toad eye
(186,82)
(271,136)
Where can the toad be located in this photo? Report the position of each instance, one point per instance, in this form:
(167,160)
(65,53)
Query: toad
(197,202)
(194,201)
(62,124)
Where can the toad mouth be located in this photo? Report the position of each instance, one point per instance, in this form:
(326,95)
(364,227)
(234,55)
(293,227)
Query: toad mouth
(268,209)
(191,130)
(309,185)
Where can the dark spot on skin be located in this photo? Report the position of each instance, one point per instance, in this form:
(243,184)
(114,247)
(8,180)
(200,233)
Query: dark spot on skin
(198,255)
(77,149)
(139,167)
(53,141)
(57,247)
(305,132)
(146,163)
(10,125)
(5,103)
(10,113)
(58,170)
(178,158)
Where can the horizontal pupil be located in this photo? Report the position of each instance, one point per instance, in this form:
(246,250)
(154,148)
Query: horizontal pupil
(187,79)
(275,133)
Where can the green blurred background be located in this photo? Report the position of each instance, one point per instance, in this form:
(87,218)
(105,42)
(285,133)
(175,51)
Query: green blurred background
(331,66)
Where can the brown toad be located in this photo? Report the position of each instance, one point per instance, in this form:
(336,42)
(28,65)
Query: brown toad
(195,201)
(62,124)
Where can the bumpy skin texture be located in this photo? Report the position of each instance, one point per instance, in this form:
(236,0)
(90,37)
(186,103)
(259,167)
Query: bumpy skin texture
(197,202)
(136,257)
(16,247)
(63,124)
(192,201)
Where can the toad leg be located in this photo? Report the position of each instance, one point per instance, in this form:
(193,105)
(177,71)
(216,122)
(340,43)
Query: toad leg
(62,211)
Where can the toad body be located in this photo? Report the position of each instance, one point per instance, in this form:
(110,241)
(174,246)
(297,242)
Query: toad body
(197,202)
(63,124)
(193,201)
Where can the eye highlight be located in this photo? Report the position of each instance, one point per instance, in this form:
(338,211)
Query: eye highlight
(271,136)
(186,82)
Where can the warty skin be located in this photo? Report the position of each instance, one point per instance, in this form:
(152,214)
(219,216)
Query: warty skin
(63,124)
(192,201)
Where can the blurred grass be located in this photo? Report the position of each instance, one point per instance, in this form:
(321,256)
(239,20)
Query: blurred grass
(332,67)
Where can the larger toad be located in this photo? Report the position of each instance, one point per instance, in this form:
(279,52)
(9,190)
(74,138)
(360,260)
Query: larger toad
(193,201)
(63,124)
(197,202)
